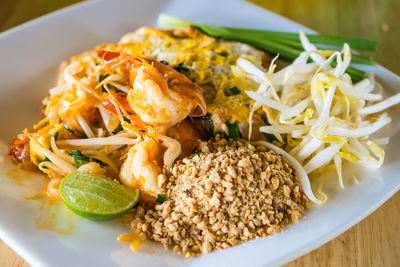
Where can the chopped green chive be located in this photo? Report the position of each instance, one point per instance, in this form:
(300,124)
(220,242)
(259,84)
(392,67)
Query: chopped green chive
(232,91)
(222,54)
(269,137)
(161,198)
(102,77)
(183,69)
(233,130)
(78,162)
(314,38)
(79,158)
(118,129)
(78,154)
(97,161)
(164,62)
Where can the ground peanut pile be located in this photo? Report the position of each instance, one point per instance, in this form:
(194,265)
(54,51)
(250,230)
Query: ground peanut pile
(226,193)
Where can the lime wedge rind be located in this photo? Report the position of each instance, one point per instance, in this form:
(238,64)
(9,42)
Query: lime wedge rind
(97,197)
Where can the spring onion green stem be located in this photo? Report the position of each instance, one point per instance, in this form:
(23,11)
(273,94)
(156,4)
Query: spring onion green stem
(356,58)
(314,38)
(356,74)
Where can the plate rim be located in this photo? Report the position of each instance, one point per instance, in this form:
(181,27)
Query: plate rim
(35,259)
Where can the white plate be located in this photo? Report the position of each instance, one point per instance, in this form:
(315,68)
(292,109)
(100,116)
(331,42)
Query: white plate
(29,57)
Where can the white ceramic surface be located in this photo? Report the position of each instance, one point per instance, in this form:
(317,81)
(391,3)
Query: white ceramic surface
(29,57)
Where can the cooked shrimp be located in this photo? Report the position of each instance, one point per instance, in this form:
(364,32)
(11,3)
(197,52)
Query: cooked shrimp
(187,134)
(142,167)
(160,95)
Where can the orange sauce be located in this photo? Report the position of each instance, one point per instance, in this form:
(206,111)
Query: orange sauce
(52,214)
(134,239)
(55,217)
(32,184)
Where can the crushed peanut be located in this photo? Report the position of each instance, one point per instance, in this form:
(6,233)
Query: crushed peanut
(226,193)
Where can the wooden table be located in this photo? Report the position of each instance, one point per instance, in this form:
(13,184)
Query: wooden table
(376,240)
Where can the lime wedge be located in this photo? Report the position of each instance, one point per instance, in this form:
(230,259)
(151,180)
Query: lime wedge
(97,197)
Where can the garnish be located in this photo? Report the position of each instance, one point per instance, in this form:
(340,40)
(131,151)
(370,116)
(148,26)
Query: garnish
(232,91)
(117,129)
(101,78)
(79,158)
(127,120)
(268,136)
(233,130)
(97,197)
(183,69)
(161,198)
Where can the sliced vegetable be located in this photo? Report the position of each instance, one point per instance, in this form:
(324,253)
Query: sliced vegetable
(97,161)
(79,158)
(97,197)
(325,118)
(232,91)
(269,136)
(314,38)
(101,78)
(183,69)
(161,198)
(118,129)
(385,104)
(233,130)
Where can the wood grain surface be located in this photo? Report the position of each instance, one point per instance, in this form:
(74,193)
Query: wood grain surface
(375,241)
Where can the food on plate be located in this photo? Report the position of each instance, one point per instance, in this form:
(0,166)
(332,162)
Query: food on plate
(220,145)
(226,193)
